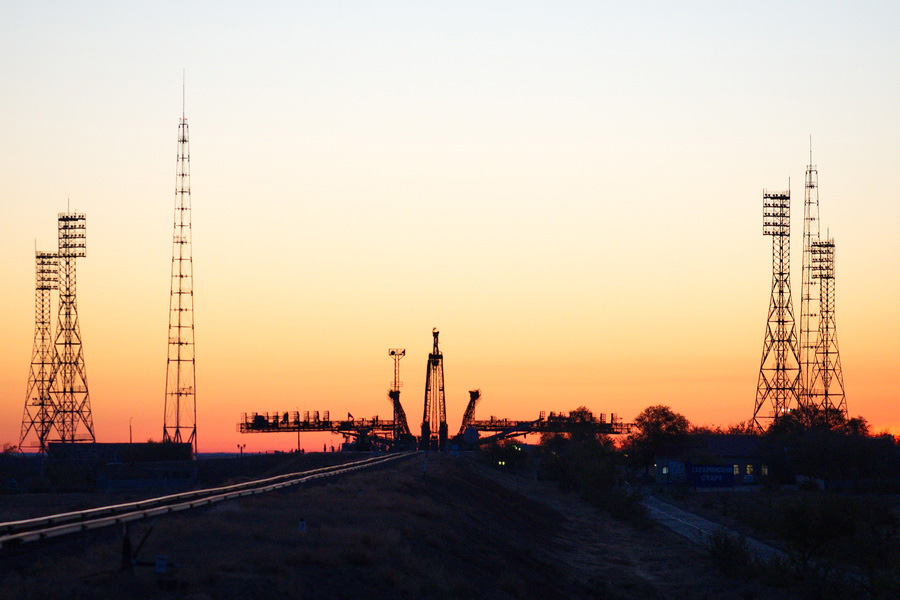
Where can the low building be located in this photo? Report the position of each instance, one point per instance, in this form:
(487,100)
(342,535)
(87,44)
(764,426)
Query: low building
(714,460)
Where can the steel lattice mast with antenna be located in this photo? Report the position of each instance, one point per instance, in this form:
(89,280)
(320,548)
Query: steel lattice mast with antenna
(434,419)
(826,389)
(180,416)
(401,427)
(809,291)
(37,420)
(72,416)
(779,370)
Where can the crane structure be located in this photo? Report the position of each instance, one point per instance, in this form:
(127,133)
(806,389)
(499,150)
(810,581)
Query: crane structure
(401,427)
(434,418)
(180,414)
(37,420)
(826,386)
(778,386)
(809,290)
(71,400)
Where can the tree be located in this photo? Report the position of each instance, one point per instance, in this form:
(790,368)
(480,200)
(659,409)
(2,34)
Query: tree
(660,430)
(661,421)
(857,426)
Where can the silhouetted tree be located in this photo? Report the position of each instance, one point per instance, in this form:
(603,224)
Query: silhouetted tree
(857,426)
(660,430)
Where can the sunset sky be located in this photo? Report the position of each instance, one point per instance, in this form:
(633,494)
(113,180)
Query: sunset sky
(570,191)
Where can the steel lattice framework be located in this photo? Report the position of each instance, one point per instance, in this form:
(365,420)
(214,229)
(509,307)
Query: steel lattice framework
(809,291)
(779,371)
(469,414)
(71,399)
(37,419)
(180,416)
(826,389)
(434,419)
(401,427)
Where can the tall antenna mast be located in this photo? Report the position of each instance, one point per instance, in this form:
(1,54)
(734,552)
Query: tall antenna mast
(434,420)
(180,415)
(37,420)
(72,416)
(809,290)
(779,370)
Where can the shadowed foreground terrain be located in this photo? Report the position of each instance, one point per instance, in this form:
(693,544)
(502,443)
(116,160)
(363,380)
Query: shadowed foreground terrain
(465,531)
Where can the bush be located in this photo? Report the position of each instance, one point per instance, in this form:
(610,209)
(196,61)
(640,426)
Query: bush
(731,554)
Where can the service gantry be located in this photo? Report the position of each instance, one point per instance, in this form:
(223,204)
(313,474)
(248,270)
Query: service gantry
(778,386)
(37,420)
(434,419)
(469,414)
(826,387)
(180,415)
(71,400)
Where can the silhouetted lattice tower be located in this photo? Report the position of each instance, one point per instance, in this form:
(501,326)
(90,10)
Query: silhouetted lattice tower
(809,290)
(37,420)
(826,389)
(68,387)
(434,421)
(779,370)
(180,417)
(401,426)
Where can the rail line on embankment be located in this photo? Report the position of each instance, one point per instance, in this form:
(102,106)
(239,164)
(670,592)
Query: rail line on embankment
(13,533)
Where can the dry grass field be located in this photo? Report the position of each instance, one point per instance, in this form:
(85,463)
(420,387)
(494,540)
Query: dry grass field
(464,531)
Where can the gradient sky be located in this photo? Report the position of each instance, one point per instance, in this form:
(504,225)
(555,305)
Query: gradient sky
(570,191)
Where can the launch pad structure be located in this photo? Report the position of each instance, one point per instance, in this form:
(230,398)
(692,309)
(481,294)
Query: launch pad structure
(434,417)
(394,434)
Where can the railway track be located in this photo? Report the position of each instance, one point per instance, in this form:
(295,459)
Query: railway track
(14,533)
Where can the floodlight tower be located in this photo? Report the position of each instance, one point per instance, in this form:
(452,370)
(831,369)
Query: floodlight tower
(779,371)
(72,416)
(37,419)
(809,291)
(401,427)
(826,389)
(180,415)
(434,420)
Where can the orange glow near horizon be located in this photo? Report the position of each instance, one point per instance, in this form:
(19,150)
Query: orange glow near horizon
(572,196)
